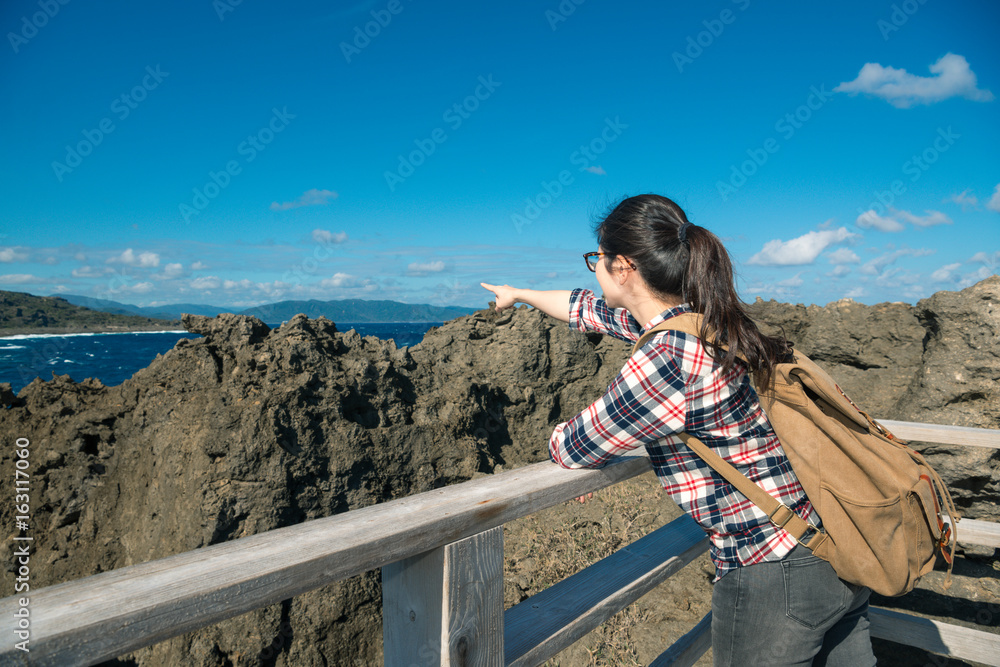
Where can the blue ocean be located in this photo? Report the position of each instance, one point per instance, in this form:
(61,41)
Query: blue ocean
(113,358)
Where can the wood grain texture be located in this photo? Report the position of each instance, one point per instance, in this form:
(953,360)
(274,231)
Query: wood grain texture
(688,649)
(97,618)
(944,435)
(100,617)
(972,532)
(445,607)
(934,636)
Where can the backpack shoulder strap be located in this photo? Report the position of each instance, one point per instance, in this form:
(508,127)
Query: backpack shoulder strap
(689,323)
(686,322)
(779,514)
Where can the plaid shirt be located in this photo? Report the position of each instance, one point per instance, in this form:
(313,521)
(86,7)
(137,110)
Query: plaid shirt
(671,385)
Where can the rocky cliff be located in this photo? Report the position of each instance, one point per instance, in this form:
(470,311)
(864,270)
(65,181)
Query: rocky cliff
(251,428)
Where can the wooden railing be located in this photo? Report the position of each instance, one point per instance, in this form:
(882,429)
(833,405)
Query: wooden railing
(441,554)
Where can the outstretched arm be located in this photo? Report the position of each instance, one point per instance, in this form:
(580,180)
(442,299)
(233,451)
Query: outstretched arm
(550,302)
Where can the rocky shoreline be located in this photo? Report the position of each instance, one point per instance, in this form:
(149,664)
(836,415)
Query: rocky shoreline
(251,428)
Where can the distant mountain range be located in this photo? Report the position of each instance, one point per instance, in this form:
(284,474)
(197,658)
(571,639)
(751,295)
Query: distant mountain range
(346,310)
(22,313)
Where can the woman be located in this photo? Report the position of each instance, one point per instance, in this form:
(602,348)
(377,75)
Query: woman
(773,602)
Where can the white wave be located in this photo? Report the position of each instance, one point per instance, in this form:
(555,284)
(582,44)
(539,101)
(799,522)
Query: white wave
(76,335)
(13,347)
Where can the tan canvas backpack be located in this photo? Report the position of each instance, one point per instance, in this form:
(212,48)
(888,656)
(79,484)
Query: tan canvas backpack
(878,500)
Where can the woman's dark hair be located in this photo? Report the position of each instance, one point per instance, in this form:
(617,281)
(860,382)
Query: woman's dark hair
(678,259)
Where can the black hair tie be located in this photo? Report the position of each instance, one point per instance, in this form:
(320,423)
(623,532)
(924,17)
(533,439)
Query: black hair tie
(682,232)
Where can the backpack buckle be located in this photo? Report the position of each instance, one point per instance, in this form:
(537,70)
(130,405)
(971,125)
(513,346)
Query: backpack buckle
(781,515)
(810,532)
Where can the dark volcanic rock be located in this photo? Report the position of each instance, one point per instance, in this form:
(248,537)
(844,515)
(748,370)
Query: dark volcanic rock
(250,428)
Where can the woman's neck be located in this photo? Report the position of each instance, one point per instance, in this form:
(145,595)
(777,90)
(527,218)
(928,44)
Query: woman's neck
(645,308)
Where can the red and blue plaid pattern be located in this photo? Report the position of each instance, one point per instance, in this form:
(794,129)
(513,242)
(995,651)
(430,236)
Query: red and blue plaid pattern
(671,385)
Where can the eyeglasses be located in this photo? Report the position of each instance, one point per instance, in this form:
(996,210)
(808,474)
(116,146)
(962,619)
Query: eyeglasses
(591,259)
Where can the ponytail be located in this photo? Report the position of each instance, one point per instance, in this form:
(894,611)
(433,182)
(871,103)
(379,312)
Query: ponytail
(710,290)
(678,259)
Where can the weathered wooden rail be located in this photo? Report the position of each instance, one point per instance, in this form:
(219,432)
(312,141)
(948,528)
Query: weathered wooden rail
(441,554)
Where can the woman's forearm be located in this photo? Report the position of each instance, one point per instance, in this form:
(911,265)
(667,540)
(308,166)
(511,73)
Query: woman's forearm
(551,302)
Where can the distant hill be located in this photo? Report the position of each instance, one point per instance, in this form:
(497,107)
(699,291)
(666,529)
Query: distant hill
(346,310)
(169,312)
(22,313)
(356,310)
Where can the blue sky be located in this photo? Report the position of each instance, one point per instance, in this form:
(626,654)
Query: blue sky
(237,153)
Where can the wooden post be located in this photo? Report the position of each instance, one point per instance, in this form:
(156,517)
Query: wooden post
(444,608)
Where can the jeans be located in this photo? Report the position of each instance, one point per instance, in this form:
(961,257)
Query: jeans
(795,611)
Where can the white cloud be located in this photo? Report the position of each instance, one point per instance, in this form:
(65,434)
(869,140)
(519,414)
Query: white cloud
(843,256)
(342,280)
(421,268)
(312,197)
(146,260)
(965,200)
(839,271)
(932,218)
(116,288)
(989,259)
(91,272)
(19,279)
(877,266)
(970,279)
(206,283)
(891,223)
(597,169)
(870,219)
(994,203)
(947,273)
(231,285)
(140,288)
(953,78)
(794,281)
(8,255)
(325,237)
(199,266)
(802,250)
(174,270)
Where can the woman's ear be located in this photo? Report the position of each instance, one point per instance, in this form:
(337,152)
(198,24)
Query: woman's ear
(624,264)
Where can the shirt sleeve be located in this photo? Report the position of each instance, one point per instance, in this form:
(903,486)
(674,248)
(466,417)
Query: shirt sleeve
(588,313)
(645,403)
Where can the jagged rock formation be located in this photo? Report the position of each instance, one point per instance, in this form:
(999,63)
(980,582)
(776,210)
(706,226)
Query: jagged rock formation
(250,428)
